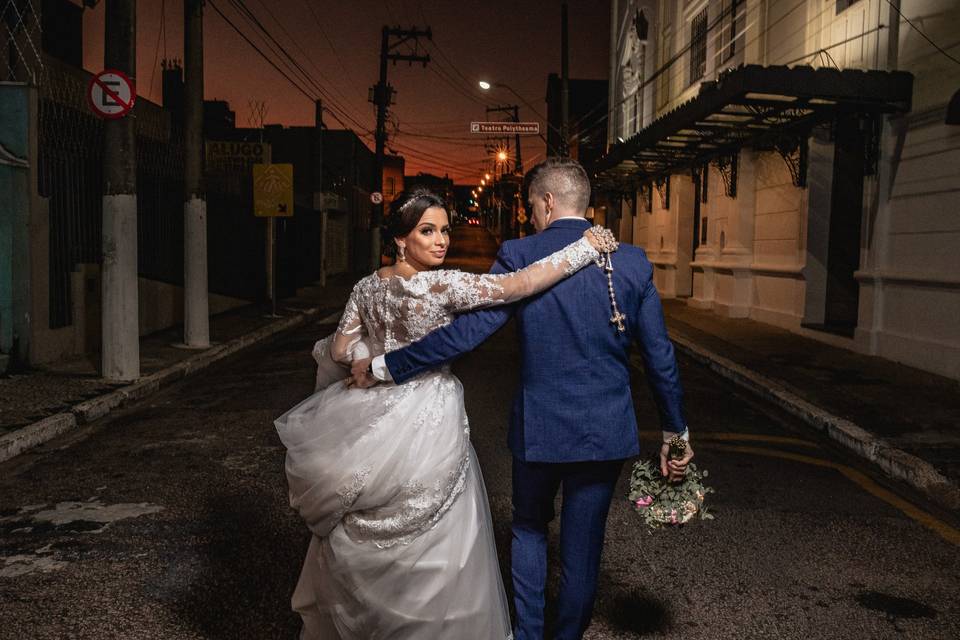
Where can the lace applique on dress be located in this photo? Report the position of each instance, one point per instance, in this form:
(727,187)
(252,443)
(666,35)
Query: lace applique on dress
(389,313)
(416,509)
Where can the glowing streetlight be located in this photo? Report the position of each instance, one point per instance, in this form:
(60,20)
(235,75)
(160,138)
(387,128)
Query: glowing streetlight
(487,176)
(485,85)
(502,156)
(480,189)
(483,182)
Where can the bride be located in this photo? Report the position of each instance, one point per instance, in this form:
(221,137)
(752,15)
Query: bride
(386,477)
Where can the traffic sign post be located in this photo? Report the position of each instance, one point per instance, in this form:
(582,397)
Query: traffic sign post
(111,94)
(272,199)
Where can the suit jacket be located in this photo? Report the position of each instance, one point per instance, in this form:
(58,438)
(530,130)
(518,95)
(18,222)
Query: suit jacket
(574,403)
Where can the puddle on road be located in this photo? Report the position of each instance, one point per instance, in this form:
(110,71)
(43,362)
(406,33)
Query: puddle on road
(64,518)
(83,513)
(894,606)
(19,565)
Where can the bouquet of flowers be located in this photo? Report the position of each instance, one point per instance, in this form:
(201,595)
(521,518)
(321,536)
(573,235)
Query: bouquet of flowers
(662,502)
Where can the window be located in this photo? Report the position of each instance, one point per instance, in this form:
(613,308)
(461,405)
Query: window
(391,186)
(698,46)
(663,79)
(843,5)
(731,33)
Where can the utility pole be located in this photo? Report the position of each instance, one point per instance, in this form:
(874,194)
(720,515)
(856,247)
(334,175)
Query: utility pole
(119,318)
(382,96)
(196,316)
(318,204)
(515,111)
(564,83)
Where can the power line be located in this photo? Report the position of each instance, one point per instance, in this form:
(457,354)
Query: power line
(262,54)
(306,55)
(918,30)
(295,66)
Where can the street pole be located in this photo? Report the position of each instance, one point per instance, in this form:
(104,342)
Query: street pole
(381,95)
(196,317)
(564,83)
(382,98)
(317,163)
(519,161)
(120,352)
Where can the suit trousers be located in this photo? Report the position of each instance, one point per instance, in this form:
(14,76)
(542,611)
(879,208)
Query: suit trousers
(587,490)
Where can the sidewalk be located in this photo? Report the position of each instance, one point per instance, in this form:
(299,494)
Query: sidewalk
(905,420)
(40,404)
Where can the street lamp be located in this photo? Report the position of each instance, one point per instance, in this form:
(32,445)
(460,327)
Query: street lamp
(487,176)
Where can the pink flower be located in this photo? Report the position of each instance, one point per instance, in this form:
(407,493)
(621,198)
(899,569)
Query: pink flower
(644,502)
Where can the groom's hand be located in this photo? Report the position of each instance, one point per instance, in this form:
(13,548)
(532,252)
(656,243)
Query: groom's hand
(675,469)
(360,377)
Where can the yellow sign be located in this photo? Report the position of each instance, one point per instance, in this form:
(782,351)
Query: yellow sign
(272,190)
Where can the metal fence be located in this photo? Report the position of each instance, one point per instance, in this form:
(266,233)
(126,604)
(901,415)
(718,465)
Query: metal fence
(71,175)
(20,38)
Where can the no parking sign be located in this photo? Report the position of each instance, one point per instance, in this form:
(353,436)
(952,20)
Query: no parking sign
(111,94)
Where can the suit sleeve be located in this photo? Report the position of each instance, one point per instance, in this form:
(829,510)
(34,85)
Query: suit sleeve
(660,363)
(461,336)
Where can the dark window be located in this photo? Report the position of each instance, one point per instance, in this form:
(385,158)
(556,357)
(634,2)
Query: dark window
(731,34)
(842,5)
(698,46)
(703,231)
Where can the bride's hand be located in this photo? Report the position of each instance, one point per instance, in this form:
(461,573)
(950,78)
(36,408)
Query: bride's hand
(360,377)
(601,238)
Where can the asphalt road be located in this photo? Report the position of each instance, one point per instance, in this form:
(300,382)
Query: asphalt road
(169,520)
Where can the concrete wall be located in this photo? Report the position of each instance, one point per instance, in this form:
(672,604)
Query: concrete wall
(161,307)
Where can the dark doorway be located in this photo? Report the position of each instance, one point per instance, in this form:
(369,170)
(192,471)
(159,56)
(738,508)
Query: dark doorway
(846,214)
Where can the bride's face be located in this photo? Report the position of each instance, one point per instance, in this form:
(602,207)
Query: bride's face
(426,246)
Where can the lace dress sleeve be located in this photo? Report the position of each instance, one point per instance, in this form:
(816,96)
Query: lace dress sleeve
(464,291)
(350,333)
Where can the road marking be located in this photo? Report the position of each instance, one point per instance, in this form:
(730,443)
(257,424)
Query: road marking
(936,525)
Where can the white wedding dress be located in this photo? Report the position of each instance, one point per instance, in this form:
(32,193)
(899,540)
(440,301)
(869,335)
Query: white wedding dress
(386,477)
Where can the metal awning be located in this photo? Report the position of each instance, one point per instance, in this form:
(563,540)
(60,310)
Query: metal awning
(750,106)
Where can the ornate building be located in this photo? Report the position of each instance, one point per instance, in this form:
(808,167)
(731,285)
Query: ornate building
(789,161)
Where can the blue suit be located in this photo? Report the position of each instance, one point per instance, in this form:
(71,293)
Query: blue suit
(573,422)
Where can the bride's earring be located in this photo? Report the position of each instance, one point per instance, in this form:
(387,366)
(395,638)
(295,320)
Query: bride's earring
(401,256)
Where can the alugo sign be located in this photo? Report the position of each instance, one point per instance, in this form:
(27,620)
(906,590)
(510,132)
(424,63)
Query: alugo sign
(513,128)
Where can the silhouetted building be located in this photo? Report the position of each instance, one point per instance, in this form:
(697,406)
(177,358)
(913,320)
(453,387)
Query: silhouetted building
(588,123)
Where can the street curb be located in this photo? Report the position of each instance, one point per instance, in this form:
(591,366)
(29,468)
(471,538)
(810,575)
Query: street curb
(894,462)
(37,433)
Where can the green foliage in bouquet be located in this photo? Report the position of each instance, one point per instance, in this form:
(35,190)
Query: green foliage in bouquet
(662,502)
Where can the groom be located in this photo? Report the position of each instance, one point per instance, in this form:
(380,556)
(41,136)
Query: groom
(572,424)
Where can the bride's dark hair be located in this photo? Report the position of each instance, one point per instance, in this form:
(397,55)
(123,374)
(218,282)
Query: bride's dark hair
(405,212)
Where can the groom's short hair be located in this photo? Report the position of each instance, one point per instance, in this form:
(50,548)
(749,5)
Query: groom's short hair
(566,179)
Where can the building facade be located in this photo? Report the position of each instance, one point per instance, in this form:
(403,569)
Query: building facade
(789,161)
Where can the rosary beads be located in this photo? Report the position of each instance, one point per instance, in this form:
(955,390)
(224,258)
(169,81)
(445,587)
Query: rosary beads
(608,245)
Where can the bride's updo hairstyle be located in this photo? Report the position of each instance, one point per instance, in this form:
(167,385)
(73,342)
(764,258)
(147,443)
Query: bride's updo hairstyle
(405,213)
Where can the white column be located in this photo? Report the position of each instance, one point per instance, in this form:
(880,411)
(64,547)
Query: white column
(120,358)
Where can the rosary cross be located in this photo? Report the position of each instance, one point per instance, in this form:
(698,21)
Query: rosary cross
(609,245)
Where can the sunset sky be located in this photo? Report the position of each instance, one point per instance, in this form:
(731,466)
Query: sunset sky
(338,44)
